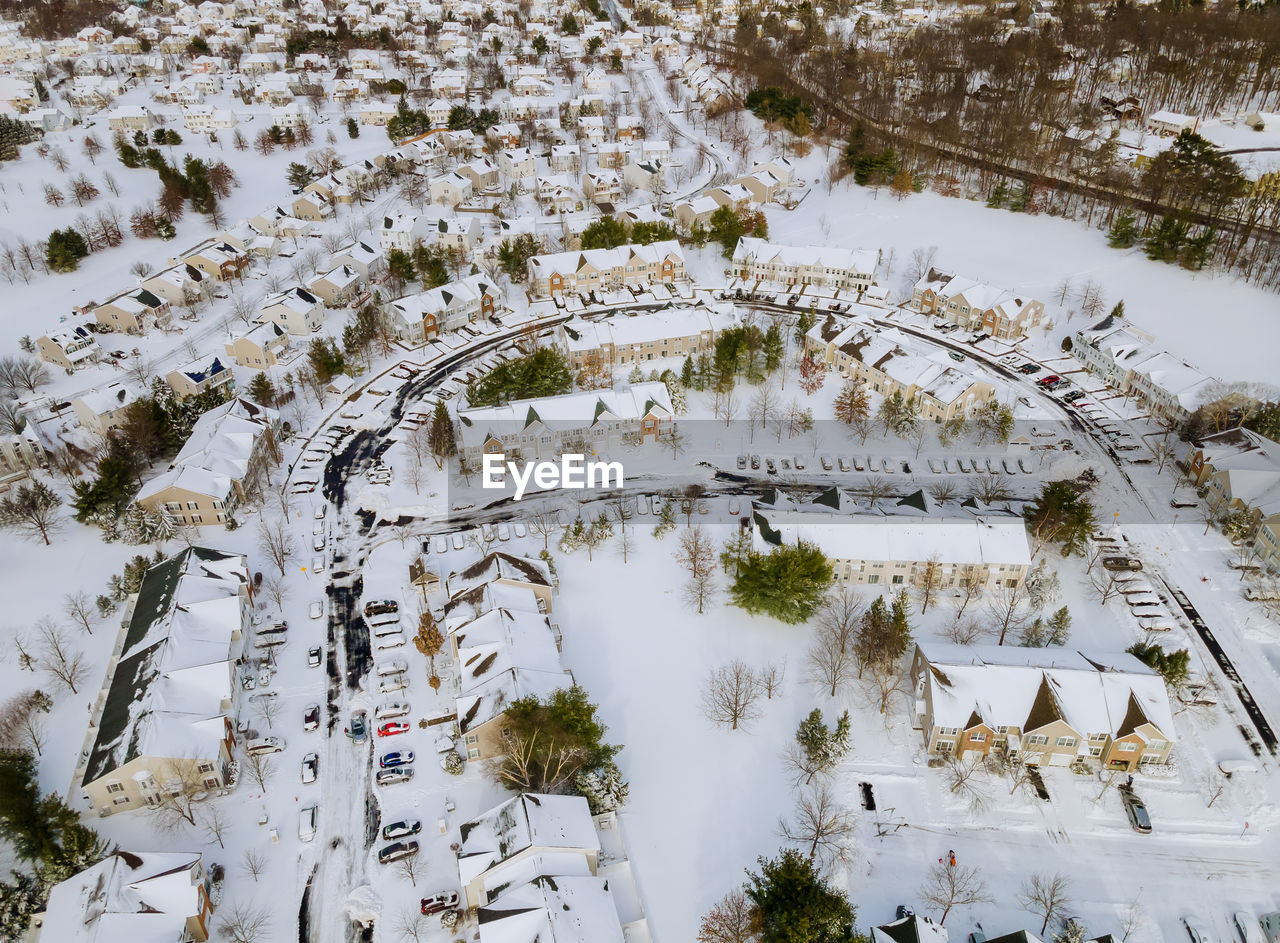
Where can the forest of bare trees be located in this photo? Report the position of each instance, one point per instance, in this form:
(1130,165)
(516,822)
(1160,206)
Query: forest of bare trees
(976,104)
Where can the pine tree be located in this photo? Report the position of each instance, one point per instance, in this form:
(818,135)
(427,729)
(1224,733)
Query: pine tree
(773,349)
(440,437)
(1124,232)
(353,129)
(999,195)
(795,904)
(822,747)
(686,372)
(262,390)
(636,375)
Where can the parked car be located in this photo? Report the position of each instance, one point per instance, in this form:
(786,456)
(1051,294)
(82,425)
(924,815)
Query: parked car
(264,745)
(826,462)
(318,543)
(735,507)
(799,463)
(439,902)
(359,729)
(310,766)
(844,464)
(406,828)
(1248,928)
(1136,811)
(395,758)
(311,718)
(1121,563)
(397,851)
(1046,381)
(389,777)
(955,355)
(770,466)
(392,727)
(395,666)
(1194,933)
(755,462)
(1030,368)
(307,823)
(317,609)
(742,462)
(390,710)
(314,657)
(380,607)
(1175,503)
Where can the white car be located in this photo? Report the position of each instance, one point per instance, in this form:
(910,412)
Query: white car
(264,745)
(307,823)
(310,765)
(391,710)
(318,544)
(317,609)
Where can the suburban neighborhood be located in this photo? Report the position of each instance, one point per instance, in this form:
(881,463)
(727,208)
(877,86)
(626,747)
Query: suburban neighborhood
(636,471)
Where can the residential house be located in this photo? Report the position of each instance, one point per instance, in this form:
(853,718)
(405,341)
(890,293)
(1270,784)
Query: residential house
(160,896)
(230,450)
(423,316)
(1045,706)
(889,362)
(162,721)
(903,546)
(527,836)
(22,452)
(295,309)
(219,260)
(134,312)
(648,175)
(70,348)
(404,231)
(312,207)
(697,211)
(505,571)
(200,376)
(823,266)
(976,306)
(176,284)
(565,909)
(377,114)
(456,233)
(105,408)
(566,159)
(337,287)
(910,929)
(517,163)
(129,118)
(451,189)
(764,186)
(1170,123)
(592,269)
(260,348)
(632,339)
(548,426)
(362,258)
(602,187)
(483,173)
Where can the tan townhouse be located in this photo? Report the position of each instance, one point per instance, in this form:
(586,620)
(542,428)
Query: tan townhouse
(1042,706)
(260,348)
(631,339)
(606,269)
(975,305)
(134,312)
(201,376)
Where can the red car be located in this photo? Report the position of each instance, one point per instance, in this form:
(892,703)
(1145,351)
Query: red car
(439,902)
(1045,381)
(392,727)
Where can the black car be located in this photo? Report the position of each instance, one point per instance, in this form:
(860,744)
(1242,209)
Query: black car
(1030,368)
(403,829)
(396,851)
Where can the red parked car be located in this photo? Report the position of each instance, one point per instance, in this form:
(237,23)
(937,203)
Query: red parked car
(391,728)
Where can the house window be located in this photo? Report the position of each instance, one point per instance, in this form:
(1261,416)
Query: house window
(193,506)
(210,783)
(1037,739)
(473,754)
(1002,730)
(948,731)
(1095,751)
(472,738)
(1149,758)
(206,767)
(1065,742)
(1127,747)
(943,746)
(196,519)
(873,578)
(120,800)
(114,788)
(1157,744)
(978,737)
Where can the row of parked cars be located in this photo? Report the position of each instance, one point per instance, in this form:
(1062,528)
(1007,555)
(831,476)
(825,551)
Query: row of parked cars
(1009,465)
(1249,928)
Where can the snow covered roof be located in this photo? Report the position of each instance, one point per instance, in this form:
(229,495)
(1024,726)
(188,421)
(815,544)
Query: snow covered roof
(467,604)
(985,540)
(666,323)
(604,259)
(552,910)
(109,398)
(144,898)
(502,640)
(1093,692)
(174,673)
(760,252)
(913,929)
(462,292)
(897,356)
(529,820)
(217,452)
(569,411)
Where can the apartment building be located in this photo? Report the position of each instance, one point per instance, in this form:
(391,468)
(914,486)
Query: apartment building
(975,305)
(822,266)
(606,269)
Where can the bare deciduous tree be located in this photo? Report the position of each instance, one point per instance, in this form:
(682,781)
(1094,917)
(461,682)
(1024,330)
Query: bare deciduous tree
(276,542)
(1008,609)
(697,554)
(965,776)
(1048,896)
(821,826)
(275,590)
(963,631)
(411,924)
(928,581)
(80,609)
(215,823)
(410,868)
(731,920)
(971,583)
(771,676)
(260,769)
(730,693)
(61,661)
(948,885)
(22,721)
(832,656)
(253,863)
(244,923)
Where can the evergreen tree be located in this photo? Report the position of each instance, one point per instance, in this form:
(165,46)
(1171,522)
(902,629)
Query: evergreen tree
(822,747)
(999,195)
(262,390)
(298,175)
(440,437)
(773,349)
(795,904)
(726,228)
(686,372)
(1124,232)
(65,249)
(787,584)
(353,129)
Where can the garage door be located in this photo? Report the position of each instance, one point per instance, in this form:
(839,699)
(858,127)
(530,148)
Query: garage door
(1060,759)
